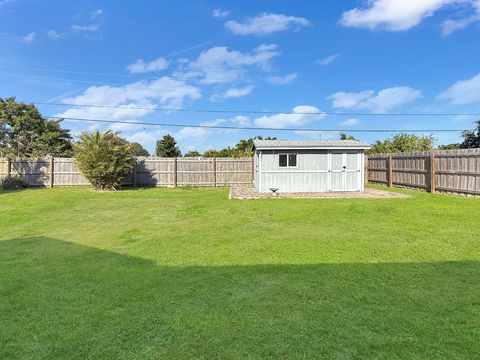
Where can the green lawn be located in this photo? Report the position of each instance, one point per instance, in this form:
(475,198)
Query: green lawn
(187,273)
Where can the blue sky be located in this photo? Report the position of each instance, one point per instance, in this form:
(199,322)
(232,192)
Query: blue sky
(368,57)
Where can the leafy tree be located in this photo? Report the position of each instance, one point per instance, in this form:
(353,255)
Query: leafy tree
(104,159)
(139,150)
(346,137)
(24,132)
(167,147)
(471,139)
(227,152)
(449,147)
(403,143)
(242,149)
(192,153)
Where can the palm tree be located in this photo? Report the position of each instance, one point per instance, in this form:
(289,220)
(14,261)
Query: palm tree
(346,137)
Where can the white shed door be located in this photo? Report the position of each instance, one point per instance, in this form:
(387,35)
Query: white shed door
(337,179)
(345,171)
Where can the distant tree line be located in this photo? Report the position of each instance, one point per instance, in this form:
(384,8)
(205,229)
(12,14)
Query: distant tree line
(412,143)
(167,147)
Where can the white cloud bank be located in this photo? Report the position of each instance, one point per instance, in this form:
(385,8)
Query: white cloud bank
(266,23)
(238,92)
(463,92)
(301,115)
(383,101)
(401,15)
(140,67)
(219,65)
(167,92)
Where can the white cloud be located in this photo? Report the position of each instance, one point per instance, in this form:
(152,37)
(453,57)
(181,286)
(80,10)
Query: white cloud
(219,13)
(238,92)
(282,80)
(241,120)
(266,23)
(199,133)
(125,127)
(350,100)
(463,92)
(140,67)
(96,14)
(219,65)
(328,60)
(350,122)
(128,99)
(395,15)
(55,35)
(381,102)
(81,28)
(147,138)
(29,38)
(450,26)
(301,115)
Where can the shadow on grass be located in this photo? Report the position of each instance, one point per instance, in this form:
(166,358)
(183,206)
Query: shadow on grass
(60,300)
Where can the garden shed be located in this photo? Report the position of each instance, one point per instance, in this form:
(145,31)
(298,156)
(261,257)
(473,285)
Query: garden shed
(309,166)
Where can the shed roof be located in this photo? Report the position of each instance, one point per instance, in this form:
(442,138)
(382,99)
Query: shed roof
(309,144)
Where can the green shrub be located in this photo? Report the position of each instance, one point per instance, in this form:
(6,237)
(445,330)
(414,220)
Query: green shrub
(104,158)
(13,183)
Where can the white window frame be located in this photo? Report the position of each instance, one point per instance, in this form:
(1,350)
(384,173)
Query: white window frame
(288,161)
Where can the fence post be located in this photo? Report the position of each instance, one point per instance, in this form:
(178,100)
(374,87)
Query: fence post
(175,172)
(9,167)
(432,172)
(214,172)
(253,169)
(52,164)
(365,159)
(135,173)
(390,171)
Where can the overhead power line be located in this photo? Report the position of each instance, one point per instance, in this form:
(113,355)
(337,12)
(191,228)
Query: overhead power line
(109,83)
(246,111)
(225,127)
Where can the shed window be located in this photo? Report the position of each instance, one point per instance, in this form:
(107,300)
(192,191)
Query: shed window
(292,160)
(287,160)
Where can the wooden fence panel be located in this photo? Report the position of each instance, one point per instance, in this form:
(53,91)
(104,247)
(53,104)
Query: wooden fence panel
(451,171)
(34,171)
(458,172)
(154,171)
(66,173)
(234,171)
(195,171)
(148,171)
(411,170)
(378,168)
(3,167)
